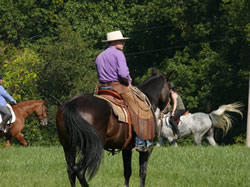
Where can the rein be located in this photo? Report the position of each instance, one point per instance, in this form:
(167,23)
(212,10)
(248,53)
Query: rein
(161,124)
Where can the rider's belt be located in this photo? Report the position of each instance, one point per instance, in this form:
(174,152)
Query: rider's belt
(105,88)
(108,83)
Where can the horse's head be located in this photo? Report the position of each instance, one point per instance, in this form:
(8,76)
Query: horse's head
(164,93)
(41,112)
(157,90)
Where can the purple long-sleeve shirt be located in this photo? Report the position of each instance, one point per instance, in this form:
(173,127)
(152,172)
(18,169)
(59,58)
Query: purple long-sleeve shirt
(111,65)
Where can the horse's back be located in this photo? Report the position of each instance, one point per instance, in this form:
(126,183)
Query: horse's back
(91,108)
(197,120)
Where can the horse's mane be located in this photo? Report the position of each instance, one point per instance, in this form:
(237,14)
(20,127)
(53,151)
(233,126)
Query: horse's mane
(29,101)
(151,83)
(152,88)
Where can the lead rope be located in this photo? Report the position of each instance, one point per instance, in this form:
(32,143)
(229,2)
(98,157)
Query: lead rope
(161,116)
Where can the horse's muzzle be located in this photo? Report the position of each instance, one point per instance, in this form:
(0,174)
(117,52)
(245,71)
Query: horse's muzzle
(44,122)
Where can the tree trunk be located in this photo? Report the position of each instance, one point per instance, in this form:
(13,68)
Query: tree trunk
(248,116)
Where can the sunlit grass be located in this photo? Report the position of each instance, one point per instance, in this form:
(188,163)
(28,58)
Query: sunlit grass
(168,166)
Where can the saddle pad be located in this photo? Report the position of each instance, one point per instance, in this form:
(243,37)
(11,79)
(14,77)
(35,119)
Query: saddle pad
(118,110)
(13,116)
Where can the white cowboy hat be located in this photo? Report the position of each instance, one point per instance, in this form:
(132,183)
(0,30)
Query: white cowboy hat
(115,35)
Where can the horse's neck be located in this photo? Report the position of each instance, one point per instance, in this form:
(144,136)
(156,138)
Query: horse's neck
(29,108)
(152,90)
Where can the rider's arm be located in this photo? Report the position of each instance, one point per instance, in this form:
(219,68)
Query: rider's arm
(174,99)
(123,70)
(6,95)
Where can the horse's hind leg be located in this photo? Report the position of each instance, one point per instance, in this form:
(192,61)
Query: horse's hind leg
(143,159)
(81,176)
(126,156)
(70,160)
(210,137)
(19,137)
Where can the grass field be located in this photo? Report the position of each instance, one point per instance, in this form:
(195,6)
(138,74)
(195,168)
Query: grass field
(186,166)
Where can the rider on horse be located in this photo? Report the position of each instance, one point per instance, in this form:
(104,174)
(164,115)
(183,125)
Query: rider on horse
(178,107)
(113,74)
(4,97)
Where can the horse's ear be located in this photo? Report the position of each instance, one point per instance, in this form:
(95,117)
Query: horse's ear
(153,72)
(169,74)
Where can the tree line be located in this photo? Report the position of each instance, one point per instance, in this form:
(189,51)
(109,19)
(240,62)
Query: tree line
(48,49)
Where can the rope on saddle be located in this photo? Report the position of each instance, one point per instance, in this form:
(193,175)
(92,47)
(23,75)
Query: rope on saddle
(142,97)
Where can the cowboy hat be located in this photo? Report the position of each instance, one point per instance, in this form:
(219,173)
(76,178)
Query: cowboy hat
(115,35)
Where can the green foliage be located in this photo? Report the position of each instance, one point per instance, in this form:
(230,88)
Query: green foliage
(48,48)
(194,74)
(69,68)
(20,75)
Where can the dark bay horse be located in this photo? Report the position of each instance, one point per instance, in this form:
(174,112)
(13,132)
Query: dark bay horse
(22,110)
(86,125)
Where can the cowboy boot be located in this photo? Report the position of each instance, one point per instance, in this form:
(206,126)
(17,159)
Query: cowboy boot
(174,127)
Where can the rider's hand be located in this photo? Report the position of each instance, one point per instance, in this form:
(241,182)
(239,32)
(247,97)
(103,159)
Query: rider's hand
(172,114)
(12,103)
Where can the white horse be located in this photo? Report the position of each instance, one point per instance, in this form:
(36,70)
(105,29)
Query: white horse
(200,124)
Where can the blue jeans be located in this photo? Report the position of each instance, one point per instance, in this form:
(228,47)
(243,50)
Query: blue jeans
(139,142)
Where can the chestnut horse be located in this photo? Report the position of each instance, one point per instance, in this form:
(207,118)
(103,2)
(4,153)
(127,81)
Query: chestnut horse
(22,110)
(86,125)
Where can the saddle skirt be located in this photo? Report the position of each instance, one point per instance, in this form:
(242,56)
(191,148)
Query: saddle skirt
(166,117)
(116,103)
(179,120)
(130,109)
(13,116)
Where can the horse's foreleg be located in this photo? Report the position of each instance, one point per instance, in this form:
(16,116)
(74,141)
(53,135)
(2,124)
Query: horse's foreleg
(126,156)
(197,139)
(143,159)
(174,143)
(160,142)
(19,137)
(8,140)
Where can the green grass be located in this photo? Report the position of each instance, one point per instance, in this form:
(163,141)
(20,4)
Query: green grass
(168,166)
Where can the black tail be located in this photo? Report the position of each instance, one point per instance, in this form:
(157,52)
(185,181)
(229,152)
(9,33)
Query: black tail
(83,138)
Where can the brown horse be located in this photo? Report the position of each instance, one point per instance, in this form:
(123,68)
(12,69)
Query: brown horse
(86,125)
(22,111)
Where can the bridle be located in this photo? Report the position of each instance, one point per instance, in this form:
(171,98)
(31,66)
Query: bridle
(42,117)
